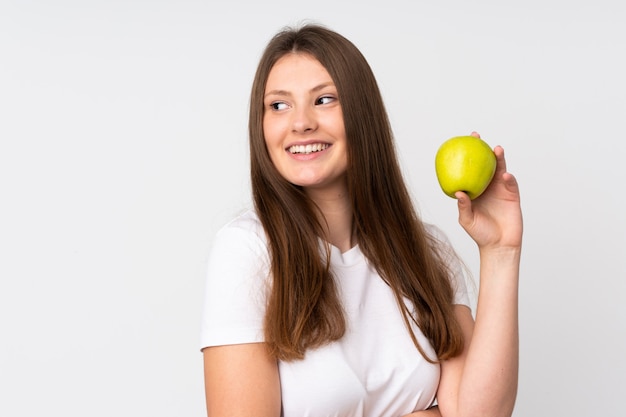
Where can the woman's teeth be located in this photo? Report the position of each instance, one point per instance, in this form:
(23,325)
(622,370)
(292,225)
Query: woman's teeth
(307,149)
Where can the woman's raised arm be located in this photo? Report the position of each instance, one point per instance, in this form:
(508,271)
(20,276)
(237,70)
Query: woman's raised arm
(483,380)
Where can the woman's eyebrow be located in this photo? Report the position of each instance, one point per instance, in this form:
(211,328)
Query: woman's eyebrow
(323,86)
(277,93)
(287,93)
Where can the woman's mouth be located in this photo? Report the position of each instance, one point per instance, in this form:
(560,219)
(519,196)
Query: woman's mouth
(308,149)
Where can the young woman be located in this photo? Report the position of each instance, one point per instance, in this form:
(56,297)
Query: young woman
(331,297)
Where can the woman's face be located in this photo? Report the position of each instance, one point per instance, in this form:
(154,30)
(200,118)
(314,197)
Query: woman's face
(303,124)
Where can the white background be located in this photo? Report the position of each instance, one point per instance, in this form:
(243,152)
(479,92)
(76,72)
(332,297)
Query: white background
(123,149)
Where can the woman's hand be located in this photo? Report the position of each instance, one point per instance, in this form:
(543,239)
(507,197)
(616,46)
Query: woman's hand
(494,219)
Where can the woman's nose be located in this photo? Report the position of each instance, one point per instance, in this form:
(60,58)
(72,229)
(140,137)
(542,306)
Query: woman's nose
(304,120)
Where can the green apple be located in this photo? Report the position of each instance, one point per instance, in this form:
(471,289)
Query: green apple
(465,163)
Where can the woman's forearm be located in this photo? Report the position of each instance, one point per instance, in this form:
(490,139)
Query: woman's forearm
(489,380)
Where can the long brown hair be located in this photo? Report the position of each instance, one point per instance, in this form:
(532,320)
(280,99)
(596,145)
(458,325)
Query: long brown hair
(304,310)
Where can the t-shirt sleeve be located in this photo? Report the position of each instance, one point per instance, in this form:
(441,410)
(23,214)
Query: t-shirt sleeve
(454,265)
(235,290)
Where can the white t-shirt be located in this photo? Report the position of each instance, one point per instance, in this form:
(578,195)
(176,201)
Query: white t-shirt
(374,370)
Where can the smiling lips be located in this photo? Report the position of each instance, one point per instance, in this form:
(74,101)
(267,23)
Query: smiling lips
(308,149)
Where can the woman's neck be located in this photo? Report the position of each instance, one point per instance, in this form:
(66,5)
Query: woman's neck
(337,211)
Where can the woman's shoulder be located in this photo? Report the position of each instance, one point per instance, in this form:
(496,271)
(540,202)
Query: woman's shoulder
(241,242)
(436,233)
(246,220)
(245,225)
(441,244)
(453,262)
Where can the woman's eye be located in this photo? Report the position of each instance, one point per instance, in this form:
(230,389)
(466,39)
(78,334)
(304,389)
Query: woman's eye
(278,105)
(325,100)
